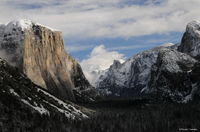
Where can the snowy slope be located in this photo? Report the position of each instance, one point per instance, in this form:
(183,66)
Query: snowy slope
(23,24)
(16,85)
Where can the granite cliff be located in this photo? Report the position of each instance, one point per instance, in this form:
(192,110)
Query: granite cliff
(39,52)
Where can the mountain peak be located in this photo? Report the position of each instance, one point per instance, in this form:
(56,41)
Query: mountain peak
(193,28)
(24,24)
(190,43)
(116,64)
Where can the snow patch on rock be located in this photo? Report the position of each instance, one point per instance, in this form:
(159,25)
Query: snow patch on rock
(171,58)
(167,45)
(194,28)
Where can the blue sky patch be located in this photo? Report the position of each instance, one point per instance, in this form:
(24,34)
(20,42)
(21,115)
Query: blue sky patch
(128,47)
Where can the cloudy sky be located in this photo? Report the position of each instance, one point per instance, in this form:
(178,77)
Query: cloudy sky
(107,29)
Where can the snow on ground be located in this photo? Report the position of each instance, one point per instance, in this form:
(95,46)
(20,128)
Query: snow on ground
(40,109)
(68,107)
(13,92)
(69,110)
(67,114)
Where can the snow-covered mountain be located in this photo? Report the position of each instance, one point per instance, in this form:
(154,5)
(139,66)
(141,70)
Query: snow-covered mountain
(131,76)
(39,52)
(165,71)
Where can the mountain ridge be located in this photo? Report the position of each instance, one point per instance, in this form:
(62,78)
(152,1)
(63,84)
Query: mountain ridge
(157,69)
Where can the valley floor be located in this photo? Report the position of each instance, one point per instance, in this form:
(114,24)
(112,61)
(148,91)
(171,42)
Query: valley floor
(110,116)
(131,116)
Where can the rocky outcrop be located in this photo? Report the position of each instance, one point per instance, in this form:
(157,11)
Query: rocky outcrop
(190,43)
(39,52)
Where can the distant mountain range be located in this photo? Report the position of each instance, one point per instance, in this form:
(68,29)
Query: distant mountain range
(168,72)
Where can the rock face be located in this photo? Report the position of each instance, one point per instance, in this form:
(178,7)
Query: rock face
(190,43)
(39,52)
(130,78)
(171,76)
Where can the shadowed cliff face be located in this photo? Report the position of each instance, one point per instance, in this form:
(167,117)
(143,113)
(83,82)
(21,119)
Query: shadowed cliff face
(39,52)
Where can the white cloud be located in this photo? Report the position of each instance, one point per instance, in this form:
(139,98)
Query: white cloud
(107,19)
(99,59)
